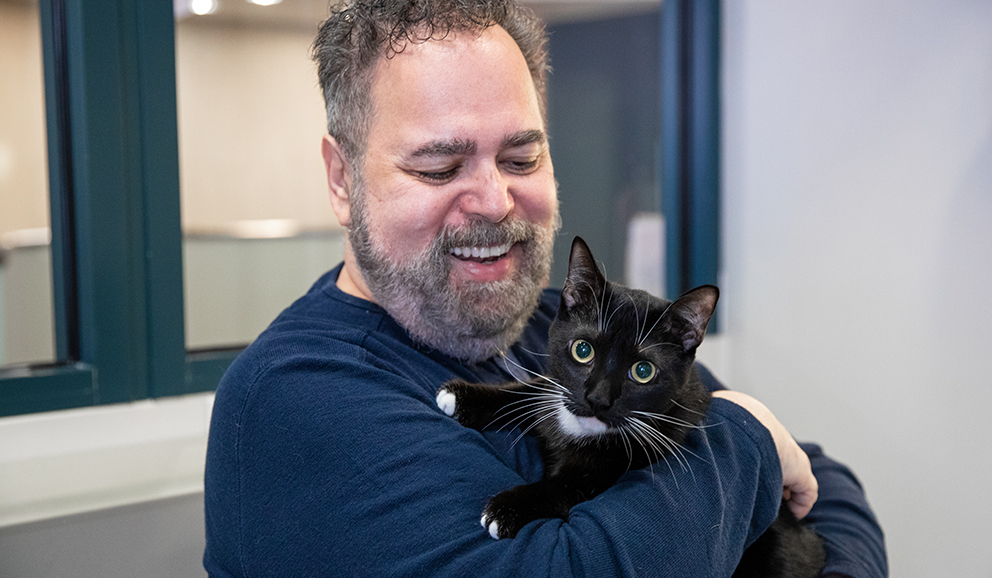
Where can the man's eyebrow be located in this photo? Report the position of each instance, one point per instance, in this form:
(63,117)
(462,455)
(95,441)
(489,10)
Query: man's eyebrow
(461,147)
(523,138)
(445,148)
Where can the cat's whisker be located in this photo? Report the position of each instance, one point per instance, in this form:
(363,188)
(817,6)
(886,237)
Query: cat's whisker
(600,302)
(669,444)
(551,390)
(545,380)
(638,429)
(688,409)
(678,450)
(615,309)
(525,412)
(534,353)
(652,457)
(550,413)
(525,406)
(550,387)
(608,300)
(637,316)
(660,344)
(556,386)
(532,400)
(535,398)
(531,372)
(670,419)
(644,334)
(655,324)
(627,447)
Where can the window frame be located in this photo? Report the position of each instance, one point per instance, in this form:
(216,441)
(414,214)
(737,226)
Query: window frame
(110,100)
(690,133)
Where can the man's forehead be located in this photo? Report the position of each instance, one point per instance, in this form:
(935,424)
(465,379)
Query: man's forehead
(456,96)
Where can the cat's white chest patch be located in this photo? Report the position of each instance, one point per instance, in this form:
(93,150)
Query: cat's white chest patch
(579,426)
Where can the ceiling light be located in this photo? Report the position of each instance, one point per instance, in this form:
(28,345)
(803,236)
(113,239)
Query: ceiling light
(201,7)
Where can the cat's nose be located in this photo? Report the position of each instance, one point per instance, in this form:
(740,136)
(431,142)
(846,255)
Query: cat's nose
(599,398)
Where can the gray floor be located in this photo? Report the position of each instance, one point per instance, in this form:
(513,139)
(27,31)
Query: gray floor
(160,539)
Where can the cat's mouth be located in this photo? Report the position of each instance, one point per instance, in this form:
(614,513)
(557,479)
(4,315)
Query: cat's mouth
(481,254)
(578,425)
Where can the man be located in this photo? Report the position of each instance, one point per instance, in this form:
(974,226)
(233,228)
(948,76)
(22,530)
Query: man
(327,453)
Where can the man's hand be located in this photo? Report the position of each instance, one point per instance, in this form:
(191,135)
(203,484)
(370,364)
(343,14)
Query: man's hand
(799,486)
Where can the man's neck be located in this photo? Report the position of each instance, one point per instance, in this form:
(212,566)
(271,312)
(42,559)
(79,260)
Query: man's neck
(350,279)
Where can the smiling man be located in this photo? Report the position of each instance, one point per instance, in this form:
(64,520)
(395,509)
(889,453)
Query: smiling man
(328,455)
(453,212)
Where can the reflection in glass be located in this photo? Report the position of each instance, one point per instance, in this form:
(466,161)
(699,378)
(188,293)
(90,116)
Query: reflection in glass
(258,227)
(26,306)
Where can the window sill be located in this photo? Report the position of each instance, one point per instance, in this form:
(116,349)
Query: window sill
(74,461)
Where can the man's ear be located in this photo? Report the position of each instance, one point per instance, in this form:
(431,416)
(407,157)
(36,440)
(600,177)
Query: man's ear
(338,178)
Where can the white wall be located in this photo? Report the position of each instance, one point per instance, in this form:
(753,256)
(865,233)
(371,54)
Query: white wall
(250,121)
(23,160)
(857,272)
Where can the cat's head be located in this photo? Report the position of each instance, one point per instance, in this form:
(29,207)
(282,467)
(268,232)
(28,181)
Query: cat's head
(618,350)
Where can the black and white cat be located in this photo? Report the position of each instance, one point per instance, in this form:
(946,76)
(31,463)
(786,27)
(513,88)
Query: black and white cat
(621,392)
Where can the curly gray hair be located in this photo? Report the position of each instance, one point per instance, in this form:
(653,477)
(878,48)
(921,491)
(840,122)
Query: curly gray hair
(356,36)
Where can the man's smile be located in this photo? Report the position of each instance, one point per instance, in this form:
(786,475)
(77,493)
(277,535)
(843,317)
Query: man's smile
(481,254)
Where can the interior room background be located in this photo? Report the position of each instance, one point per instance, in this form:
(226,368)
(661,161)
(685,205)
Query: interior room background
(855,258)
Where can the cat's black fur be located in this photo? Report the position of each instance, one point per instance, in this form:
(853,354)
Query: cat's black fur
(624,328)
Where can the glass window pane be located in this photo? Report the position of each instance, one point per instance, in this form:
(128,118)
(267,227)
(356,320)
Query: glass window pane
(258,227)
(26,306)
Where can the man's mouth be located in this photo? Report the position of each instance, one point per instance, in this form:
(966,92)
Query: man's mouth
(481,254)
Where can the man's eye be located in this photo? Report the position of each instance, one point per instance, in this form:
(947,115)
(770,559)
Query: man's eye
(438,177)
(521,167)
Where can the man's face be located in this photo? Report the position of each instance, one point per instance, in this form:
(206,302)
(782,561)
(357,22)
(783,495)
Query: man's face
(457,203)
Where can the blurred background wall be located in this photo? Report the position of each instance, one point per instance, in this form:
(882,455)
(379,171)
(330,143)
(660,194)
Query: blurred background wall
(857,251)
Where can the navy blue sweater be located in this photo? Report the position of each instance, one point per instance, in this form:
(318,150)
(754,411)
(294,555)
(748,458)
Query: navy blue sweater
(329,457)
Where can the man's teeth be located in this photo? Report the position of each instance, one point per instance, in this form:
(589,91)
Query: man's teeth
(481,252)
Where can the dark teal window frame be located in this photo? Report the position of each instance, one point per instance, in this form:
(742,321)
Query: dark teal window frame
(690,100)
(110,90)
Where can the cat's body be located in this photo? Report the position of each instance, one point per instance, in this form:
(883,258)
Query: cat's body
(621,393)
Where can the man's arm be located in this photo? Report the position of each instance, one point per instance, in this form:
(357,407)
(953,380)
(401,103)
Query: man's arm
(853,539)
(798,483)
(345,469)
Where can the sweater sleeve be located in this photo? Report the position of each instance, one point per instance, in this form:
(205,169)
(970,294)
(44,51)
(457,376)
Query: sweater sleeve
(343,469)
(853,539)
(852,536)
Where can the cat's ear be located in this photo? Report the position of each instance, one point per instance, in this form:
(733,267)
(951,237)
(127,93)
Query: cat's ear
(688,315)
(584,283)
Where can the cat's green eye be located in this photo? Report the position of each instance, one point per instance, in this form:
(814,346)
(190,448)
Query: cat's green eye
(642,371)
(582,351)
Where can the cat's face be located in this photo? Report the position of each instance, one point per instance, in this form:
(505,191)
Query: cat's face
(621,353)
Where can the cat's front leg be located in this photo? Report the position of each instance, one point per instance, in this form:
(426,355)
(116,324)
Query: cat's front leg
(508,512)
(477,405)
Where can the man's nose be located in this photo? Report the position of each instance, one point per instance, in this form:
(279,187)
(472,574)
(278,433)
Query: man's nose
(488,196)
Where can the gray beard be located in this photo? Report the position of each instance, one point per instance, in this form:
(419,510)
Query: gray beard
(466,320)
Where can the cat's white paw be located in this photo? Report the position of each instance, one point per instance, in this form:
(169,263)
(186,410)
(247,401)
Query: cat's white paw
(446,401)
(491,527)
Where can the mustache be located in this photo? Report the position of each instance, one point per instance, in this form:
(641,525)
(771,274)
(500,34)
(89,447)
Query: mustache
(484,233)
